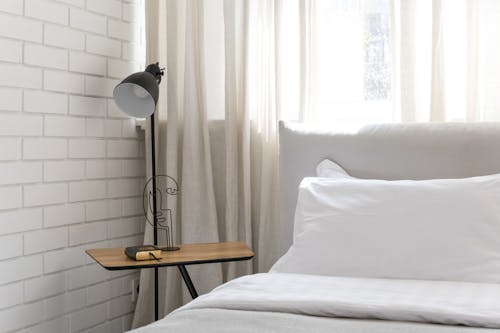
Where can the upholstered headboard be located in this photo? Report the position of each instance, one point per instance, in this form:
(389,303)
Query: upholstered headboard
(392,151)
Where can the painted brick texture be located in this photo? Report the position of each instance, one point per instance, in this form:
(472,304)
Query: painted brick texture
(71,164)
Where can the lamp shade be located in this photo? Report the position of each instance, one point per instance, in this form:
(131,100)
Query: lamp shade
(137,94)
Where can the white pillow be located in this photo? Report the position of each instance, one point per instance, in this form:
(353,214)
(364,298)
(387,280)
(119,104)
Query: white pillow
(444,229)
(329,169)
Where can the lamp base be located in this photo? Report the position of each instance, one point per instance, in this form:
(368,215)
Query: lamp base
(170,248)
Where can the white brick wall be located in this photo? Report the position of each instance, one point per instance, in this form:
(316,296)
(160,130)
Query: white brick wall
(19,316)
(46,10)
(84,20)
(12,294)
(45,194)
(20,76)
(64,126)
(11,246)
(87,63)
(10,148)
(13,221)
(87,148)
(20,172)
(12,50)
(45,286)
(25,29)
(63,170)
(103,46)
(44,148)
(9,123)
(38,55)
(63,81)
(45,102)
(10,197)
(71,164)
(63,37)
(12,6)
(10,99)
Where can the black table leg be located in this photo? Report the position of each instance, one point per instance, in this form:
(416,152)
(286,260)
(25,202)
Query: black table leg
(156,293)
(187,281)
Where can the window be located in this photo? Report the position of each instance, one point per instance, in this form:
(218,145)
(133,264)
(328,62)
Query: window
(352,60)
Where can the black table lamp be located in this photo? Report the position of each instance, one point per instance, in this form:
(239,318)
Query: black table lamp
(137,96)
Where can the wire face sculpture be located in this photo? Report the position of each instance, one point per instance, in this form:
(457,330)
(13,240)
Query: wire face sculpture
(166,187)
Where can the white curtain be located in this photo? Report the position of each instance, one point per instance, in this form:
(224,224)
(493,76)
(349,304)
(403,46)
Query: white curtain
(217,118)
(235,67)
(446,60)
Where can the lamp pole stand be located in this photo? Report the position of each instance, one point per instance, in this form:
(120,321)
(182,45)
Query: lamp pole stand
(137,95)
(155,216)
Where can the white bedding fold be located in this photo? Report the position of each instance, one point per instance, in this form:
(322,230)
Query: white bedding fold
(452,303)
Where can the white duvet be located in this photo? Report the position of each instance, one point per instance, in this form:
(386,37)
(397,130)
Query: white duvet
(302,296)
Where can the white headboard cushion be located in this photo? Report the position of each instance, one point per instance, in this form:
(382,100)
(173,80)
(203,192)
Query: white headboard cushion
(389,151)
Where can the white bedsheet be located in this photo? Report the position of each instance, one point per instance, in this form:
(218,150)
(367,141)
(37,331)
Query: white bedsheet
(302,296)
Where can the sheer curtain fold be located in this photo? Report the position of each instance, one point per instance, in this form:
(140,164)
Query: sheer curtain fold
(307,80)
(198,220)
(438,80)
(437,57)
(472,77)
(237,222)
(405,60)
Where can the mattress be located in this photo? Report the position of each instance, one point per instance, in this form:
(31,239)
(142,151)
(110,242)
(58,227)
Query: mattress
(276,302)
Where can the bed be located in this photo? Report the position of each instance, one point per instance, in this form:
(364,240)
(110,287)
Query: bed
(285,301)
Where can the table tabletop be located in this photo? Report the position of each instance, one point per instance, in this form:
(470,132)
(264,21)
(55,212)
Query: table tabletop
(189,254)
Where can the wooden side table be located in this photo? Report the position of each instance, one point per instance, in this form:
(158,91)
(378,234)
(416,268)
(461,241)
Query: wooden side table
(189,254)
